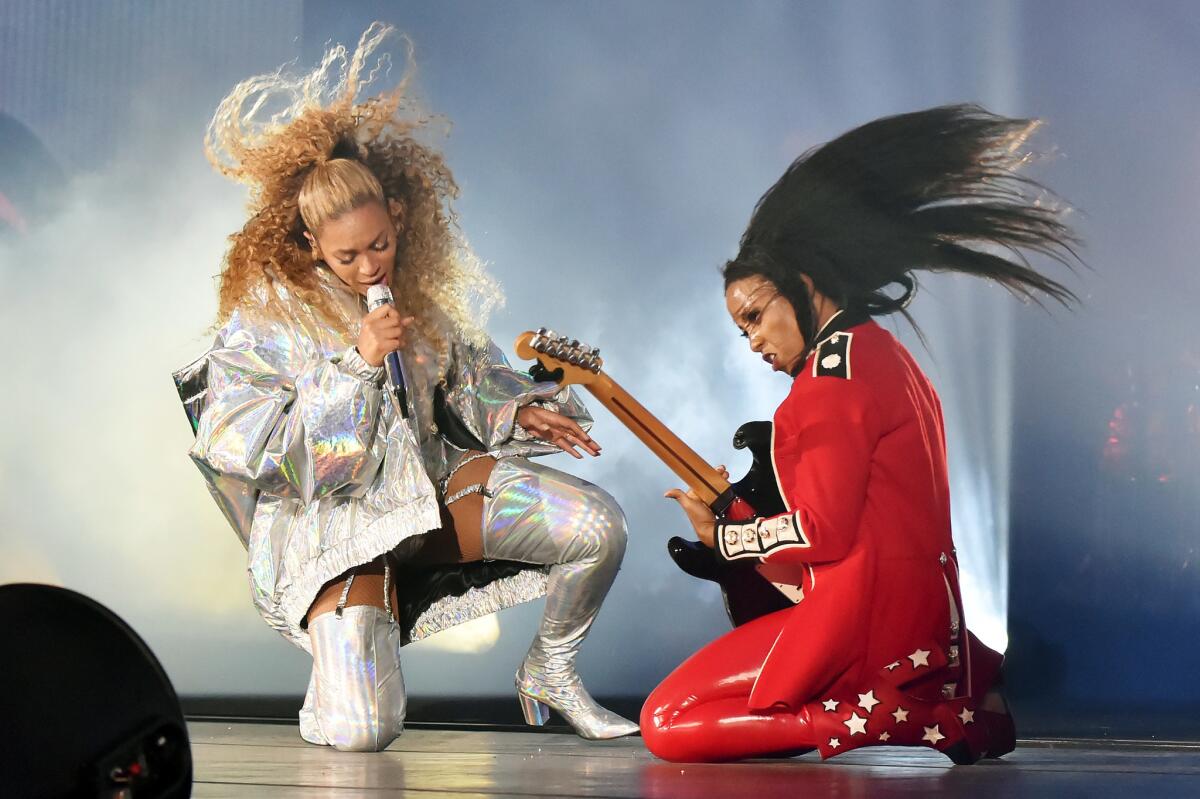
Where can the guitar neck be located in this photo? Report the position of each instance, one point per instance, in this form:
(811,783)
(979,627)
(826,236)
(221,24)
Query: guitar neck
(681,459)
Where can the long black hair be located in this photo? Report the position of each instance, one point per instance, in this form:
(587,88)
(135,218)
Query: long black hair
(936,190)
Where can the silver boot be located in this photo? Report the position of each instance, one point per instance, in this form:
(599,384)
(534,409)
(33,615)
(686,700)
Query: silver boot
(533,514)
(355,700)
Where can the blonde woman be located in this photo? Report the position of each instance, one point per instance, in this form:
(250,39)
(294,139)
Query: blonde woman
(375,517)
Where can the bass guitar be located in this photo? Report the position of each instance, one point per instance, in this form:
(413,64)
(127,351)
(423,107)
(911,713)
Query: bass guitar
(748,593)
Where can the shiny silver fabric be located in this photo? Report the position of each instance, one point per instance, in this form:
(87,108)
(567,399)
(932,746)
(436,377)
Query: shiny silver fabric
(540,515)
(355,700)
(310,461)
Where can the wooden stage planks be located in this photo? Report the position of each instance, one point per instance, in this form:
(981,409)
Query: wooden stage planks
(234,759)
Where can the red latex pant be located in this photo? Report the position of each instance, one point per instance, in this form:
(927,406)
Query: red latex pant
(698,713)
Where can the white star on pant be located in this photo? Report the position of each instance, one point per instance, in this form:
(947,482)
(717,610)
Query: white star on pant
(856,724)
(919,658)
(933,734)
(868,701)
(885,736)
(967,716)
(834,743)
(900,715)
(893,666)
(830,705)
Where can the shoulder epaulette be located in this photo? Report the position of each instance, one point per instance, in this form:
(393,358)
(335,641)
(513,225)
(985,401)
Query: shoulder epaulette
(832,358)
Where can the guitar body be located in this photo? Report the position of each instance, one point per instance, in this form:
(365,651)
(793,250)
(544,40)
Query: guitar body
(747,593)
(759,486)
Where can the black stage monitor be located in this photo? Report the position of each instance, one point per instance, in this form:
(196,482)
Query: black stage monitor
(85,707)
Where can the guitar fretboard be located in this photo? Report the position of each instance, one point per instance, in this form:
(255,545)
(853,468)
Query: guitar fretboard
(681,459)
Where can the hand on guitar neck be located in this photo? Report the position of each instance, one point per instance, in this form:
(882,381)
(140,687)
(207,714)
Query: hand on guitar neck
(703,520)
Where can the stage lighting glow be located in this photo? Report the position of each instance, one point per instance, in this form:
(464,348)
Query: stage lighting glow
(477,635)
(970,332)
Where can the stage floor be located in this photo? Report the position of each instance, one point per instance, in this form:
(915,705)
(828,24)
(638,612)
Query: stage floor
(270,760)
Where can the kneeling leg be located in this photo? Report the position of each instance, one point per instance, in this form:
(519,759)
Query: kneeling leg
(356,700)
(699,713)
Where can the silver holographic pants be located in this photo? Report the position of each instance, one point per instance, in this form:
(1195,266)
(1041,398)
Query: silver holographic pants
(355,700)
(541,515)
(531,514)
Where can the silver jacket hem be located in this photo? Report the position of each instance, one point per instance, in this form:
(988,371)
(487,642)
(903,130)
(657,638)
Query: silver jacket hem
(309,459)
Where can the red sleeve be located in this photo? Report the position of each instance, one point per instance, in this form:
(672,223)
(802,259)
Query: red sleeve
(825,437)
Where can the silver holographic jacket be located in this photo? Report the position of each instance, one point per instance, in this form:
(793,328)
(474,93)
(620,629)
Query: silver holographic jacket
(303,447)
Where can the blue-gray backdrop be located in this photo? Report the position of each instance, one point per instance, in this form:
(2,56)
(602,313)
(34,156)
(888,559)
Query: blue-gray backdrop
(609,155)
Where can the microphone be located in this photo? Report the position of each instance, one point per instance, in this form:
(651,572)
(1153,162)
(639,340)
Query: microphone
(378,295)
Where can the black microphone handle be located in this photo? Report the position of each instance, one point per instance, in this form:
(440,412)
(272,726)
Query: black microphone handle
(395,376)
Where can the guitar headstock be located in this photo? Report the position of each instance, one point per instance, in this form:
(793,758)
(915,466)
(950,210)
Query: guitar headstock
(579,363)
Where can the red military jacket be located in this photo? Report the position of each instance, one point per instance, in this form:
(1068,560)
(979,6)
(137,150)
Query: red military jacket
(859,454)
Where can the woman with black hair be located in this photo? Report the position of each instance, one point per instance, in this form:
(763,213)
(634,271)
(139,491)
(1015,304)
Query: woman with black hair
(876,651)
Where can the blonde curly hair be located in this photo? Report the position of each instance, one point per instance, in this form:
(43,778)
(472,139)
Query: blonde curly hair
(321,120)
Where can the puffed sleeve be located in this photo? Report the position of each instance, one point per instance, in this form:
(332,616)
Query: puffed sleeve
(484,393)
(825,437)
(285,420)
